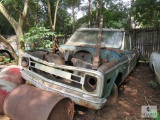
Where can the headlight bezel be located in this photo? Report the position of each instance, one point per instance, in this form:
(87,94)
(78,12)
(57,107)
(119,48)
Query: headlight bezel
(25,62)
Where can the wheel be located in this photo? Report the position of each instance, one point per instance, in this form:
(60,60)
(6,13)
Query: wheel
(113,97)
(7,54)
(157,79)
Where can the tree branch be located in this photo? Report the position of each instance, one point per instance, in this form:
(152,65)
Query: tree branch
(2,39)
(21,14)
(24,13)
(25,10)
(7,16)
(55,15)
(49,15)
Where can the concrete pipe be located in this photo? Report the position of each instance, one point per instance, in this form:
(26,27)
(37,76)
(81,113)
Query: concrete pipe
(31,103)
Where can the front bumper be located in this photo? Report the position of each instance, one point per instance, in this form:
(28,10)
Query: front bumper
(78,97)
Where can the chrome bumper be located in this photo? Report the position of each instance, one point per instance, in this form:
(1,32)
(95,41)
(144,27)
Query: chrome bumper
(78,97)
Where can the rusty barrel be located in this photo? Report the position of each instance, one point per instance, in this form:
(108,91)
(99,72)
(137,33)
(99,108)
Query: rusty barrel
(30,103)
(10,78)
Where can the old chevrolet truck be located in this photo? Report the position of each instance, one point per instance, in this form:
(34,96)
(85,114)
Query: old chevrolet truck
(88,68)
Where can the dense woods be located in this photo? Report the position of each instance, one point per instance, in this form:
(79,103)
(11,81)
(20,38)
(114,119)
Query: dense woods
(61,16)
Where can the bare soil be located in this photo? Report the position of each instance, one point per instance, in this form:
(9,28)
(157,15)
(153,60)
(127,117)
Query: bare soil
(139,90)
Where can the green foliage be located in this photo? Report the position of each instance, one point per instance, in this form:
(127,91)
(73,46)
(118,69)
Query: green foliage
(38,37)
(115,15)
(70,3)
(146,12)
(158,116)
(4,60)
(63,23)
(13,7)
(5,26)
(153,84)
(37,14)
(7,1)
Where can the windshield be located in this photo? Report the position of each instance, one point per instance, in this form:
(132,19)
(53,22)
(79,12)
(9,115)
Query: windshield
(110,38)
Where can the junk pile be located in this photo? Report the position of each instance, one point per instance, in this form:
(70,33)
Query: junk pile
(20,101)
(5,57)
(10,78)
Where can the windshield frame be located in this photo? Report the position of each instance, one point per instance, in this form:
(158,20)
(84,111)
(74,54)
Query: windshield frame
(82,43)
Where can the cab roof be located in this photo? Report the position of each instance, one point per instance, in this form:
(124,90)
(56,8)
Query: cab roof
(97,29)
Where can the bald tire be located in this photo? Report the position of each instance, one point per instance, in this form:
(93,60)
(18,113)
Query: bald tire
(113,97)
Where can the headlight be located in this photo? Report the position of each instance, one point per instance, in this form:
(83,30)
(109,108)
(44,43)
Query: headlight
(90,83)
(25,62)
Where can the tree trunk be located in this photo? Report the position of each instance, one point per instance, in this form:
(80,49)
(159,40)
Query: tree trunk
(36,17)
(55,15)
(90,14)
(50,15)
(101,7)
(7,16)
(19,33)
(97,13)
(73,17)
(16,25)
(52,24)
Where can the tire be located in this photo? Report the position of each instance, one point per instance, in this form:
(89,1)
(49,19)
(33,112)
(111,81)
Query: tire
(7,54)
(113,97)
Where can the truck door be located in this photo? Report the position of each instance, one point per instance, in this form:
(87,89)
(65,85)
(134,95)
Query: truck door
(130,54)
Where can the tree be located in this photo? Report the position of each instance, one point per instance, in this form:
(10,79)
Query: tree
(58,16)
(115,14)
(146,13)
(52,24)
(38,38)
(17,25)
(73,4)
(6,28)
(73,17)
(96,12)
(90,14)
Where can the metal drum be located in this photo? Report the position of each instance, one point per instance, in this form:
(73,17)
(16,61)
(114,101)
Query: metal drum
(10,78)
(12,73)
(30,103)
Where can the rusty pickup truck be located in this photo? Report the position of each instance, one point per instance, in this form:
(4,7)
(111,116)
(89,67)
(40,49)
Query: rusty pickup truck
(88,68)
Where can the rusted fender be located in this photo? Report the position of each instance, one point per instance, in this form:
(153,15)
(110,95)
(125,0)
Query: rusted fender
(106,66)
(10,78)
(31,103)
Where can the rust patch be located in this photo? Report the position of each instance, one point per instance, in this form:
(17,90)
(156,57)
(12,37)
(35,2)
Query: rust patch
(31,103)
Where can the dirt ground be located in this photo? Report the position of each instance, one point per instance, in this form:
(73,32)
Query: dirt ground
(139,90)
